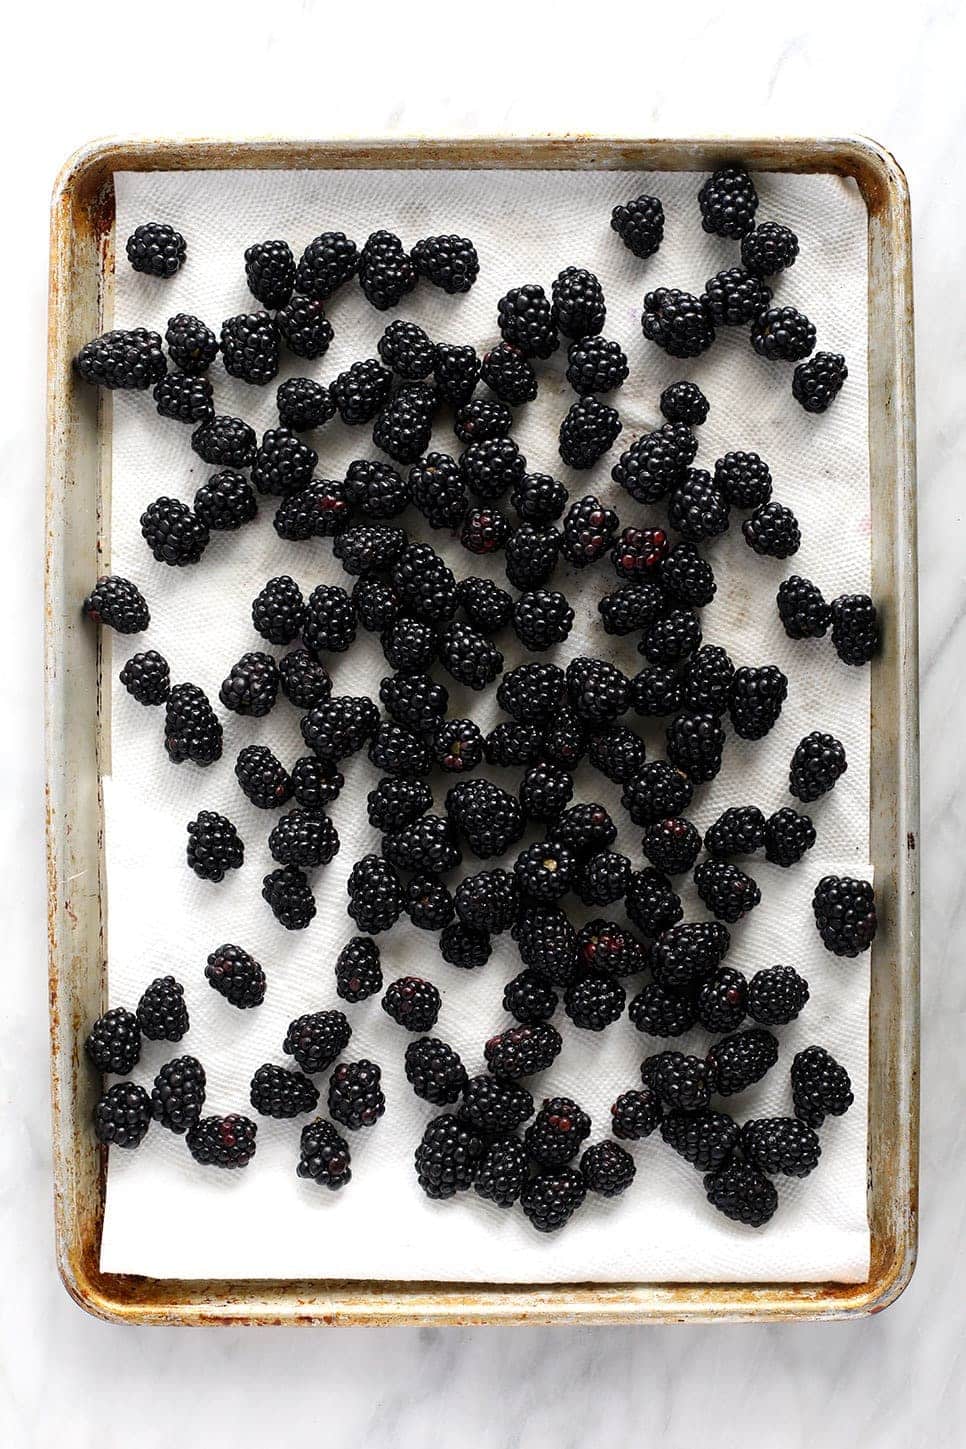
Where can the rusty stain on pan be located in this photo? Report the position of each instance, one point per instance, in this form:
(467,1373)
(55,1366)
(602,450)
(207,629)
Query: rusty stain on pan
(78,483)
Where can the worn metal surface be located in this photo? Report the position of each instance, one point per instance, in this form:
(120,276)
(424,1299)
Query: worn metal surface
(78,481)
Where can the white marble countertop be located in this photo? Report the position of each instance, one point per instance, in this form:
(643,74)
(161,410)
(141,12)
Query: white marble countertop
(892,1381)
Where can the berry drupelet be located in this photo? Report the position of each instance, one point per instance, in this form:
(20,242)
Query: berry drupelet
(236,976)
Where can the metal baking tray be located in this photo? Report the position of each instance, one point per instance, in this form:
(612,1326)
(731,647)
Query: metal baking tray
(78,486)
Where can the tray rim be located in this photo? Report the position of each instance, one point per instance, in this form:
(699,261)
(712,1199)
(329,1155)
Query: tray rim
(81,233)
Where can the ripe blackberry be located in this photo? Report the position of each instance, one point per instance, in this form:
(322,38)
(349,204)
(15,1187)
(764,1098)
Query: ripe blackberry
(458,746)
(757,696)
(640,225)
(225,442)
(492,466)
(184,397)
(482,419)
(510,743)
(226,502)
(661,1012)
(530,555)
(523,1050)
(340,726)
(214,846)
(315,783)
(538,498)
(249,347)
(555,1135)
(495,1106)
(820,1086)
(251,685)
(607,1169)
(507,372)
(636,1114)
(449,262)
(278,610)
(772,530)
(123,1115)
(128,360)
(290,897)
(781,1145)
(178,1094)
(117,604)
(304,682)
(603,878)
(672,845)
(735,297)
(462,947)
(776,995)
(236,976)
(358,972)
(276,1092)
(434,1071)
(415,700)
(424,584)
(587,432)
(263,779)
(727,891)
(404,425)
(156,249)
(406,348)
(488,901)
(303,404)
(595,1002)
(684,402)
(855,631)
(361,391)
(173,533)
(375,895)
(708,680)
(656,791)
(637,552)
(192,346)
(355,1095)
(845,914)
(429,903)
(503,1172)
(788,836)
(304,837)
(270,272)
(743,479)
(696,509)
(412,1002)
(817,383)
(428,844)
(782,333)
(283,463)
(394,804)
(529,998)
(630,609)
(695,743)
(742,1192)
(705,1139)
(541,619)
(409,644)
(689,952)
(146,677)
(222,1141)
(677,322)
(658,691)
(468,655)
(437,490)
(681,437)
(597,690)
(740,830)
(686,577)
(802,609)
(531,693)
(740,1060)
(329,624)
(770,248)
(595,365)
(161,1011)
(683,1083)
(651,902)
(547,943)
(316,1040)
(386,272)
(578,303)
(113,1043)
(304,327)
(817,763)
(485,604)
(447,1157)
(618,753)
(455,373)
(526,321)
(728,202)
(722,1000)
(607,949)
(376,605)
(484,530)
(396,750)
(327,262)
(377,491)
(323,1155)
(545,871)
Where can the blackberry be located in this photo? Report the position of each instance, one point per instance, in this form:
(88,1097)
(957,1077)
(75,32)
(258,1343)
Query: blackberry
(538,497)
(447,1157)
(327,262)
(740,1060)
(640,225)
(740,830)
(226,502)
(173,533)
(660,1012)
(482,419)
(161,1012)
(484,530)
(329,624)
(429,904)
(545,871)
(683,1083)
(594,1002)
(290,897)
(530,555)
(595,365)
(370,548)
(424,584)
(449,262)
(394,804)
(376,606)
(705,1139)
(262,777)
(361,391)
(458,746)
(772,530)
(782,333)
(488,901)
(214,846)
(249,347)
(555,1135)
(270,272)
(507,373)
(776,995)
(728,202)
(490,467)
(618,753)
(123,1115)
(845,914)
(770,248)
(375,895)
(128,360)
(630,609)
(225,442)
(304,837)
(485,604)
(283,463)
(681,437)
(817,383)
(503,1172)
(355,1095)
(323,1155)
(222,1141)
(117,604)
(735,297)
(386,272)
(376,490)
(304,327)
(587,432)
(429,844)
(541,619)
(236,976)
(597,690)
(526,321)
(677,322)
(588,531)
(820,1086)
(695,743)
(757,696)
(781,1144)
(819,760)
(727,891)
(276,1092)
(603,878)
(303,404)
(456,372)
(529,999)
(722,1000)
(412,1003)
(638,551)
(184,397)
(742,1193)
(146,677)
(156,249)
(113,1043)
(460,946)
(696,509)
(523,1050)
(511,743)
(415,700)
(315,782)
(656,791)
(788,836)
(192,346)
(278,610)
(340,726)
(192,730)
(636,1114)
(495,1106)
(855,632)
(397,751)
(708,680)
(251,686)
(437,490)
(607,1169)
(686,577)
(607,949)
(578,305)
(547,943)
(178,1094)
(684,402)
(651,902)
(316,1040)
(434,1071)
(658,691)
(404,426)
(358,973)
(802,609)
(407,349)
(743,479)
(304,682)
(672,845)
(688,953)
(531,693)
(468,655)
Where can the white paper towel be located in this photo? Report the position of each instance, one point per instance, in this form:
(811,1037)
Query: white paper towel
(164,1215)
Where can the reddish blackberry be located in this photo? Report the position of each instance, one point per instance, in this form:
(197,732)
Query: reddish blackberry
(640,225)
(757,696)
(684,402)
(156,249)
(607,1169)
(404,426)
(695,743)
(173,533)
(304,327)
(386,272)
(412,1003)
(329,624)
(361,391)
(304,682)
(503,1172)
(639,551)
(819,760)
(251,686)
(511,743)
(129,360)
(437,490)
(315,783)
(270,272)
(355,1094)
(587,432)
(541,619)
(192,346)
(214,846)
(683,1083)
(727,891)
(660,1012)
(319,510)
(547,943)
(656,791)
(772,531)
(740,1060)
(594,1003)
(743,479)
(263,779)
(538,498)
(276,1092)
(278,610)
(482,419)
(456,372)
(658,691)
(290,897)
(636,1114)
(728,202)
(802,609)
(696,509)
(405,348)
(618,753)
(225,442)
(123,1115)
(595,365)
(531,555)
(740,830)
(788,836)
(735,297)
(689,952)
(608,949)
(468,655)
(449,262)
(776,995)
(545,871)
(236,976)
(708,680)
(113,1043)
(705,1139)
(323,1155)
(178,1094)
(523,1050)
(358,973)
(429,904)
(183,397)
(376,606)
(768,249)
(603,878)
(677,322)
(526,321)
(782,333)
(316,1040)
(742,1193)
(428,844)
(415,700)
(409,644)
(249,347)
(651,902)
(117,604)
(488,901)
(375,895)
(340,726)
(327,262)
(555,1135)
(855,630)
(447,1157)
(161,1012)
(394,804)
(146,677)
(781,1144)
(529,999)
(845,914)
(434,1071)
(424,584)
(672,845)
(484,530)
(458,746)
(222,1141)
(462,947)
(722,1000)
(686,577)
(225,502)
(578,303)
(820,1086)
(303,404)
(588,531)
(817,383)
(495,1106)
(304,837)
(630,609)
(507,372)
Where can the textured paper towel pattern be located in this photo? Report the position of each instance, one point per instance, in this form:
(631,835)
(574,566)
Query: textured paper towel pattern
(164,1215)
